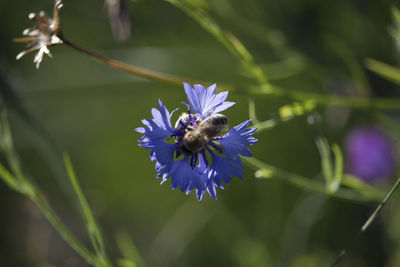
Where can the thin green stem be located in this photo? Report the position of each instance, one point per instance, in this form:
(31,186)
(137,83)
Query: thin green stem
(227,39)
(128,249)
(260,125)
(391,73)
(364,188)
(262,89)
(8,178)
(285,113)
(326,159)
(65,234)
(236,47)
(20,182)
(267,171)
(91,225)
(338,169)
(367,224)
(148,74)
(354,102)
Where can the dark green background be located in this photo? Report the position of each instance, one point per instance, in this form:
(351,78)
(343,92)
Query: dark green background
(92,110)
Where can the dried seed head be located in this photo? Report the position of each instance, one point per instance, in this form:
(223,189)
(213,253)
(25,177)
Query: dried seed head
(42,35)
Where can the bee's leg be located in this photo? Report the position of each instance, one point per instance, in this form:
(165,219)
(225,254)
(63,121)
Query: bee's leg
(214,145)
(184,124)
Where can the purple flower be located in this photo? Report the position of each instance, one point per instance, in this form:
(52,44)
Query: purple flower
(195,154)
(370,154)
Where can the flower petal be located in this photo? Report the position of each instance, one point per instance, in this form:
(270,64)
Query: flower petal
(192,98)
(223,106)
(201,181)
(158,128)
(236,141)
(181,174)
(204,101)
(222,168)
(163,153)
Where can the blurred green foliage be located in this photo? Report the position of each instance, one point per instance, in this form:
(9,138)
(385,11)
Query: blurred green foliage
(303,48)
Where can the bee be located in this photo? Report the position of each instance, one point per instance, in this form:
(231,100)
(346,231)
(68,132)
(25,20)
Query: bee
(185,122)
(196,138)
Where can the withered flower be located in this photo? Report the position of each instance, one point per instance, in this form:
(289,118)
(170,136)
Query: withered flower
(43,34)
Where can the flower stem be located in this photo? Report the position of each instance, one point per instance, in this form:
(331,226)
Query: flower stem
(19,181)
(328,99)
(263,89)
(152,75)
(65,234)
(91,225)
(367,224)
(266,171)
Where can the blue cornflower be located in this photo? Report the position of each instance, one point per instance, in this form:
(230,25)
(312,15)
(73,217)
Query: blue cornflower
(194,153)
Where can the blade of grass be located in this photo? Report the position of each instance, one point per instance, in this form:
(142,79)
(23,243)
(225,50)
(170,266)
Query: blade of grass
(34,194)
(261,89)
(230,41)
(394,31)
(22,184)
(362,187)
(126,263)
(367,224)
(91,225)
(387,71)
(326,160)
(6,145)
(128,249)
(338,171)
(65,234)
(148,74)
(8,178)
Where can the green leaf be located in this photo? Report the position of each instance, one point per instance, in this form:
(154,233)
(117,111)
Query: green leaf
(394,31)
(326,160)
(8,178)
(357,184)
(387,71)
(128,250)
(7,147)
(126,263)
(338,171)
